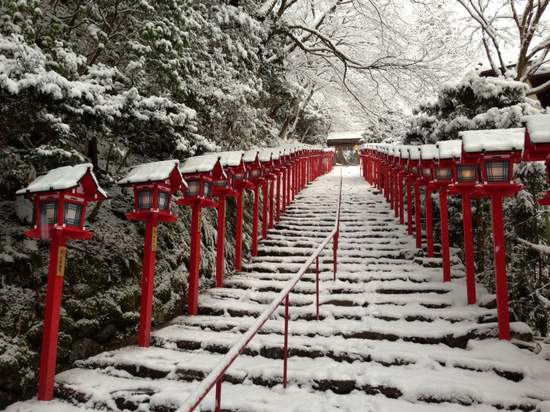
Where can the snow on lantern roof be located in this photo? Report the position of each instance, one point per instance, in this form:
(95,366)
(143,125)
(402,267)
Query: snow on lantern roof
(450,149)
(150,172)
(494,140)
(200,164)
(538,127)
(329,149)
(229,159)
(414,152)
(276,153)
(404,151)
(66,177)
(250,155)
(429,152)
(265,155)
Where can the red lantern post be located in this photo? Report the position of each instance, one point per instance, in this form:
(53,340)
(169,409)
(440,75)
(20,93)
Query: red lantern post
(415,173)
(496,151)
(254,177)
(60,198)
(154,184)
(428,154)
(266,159)
(202,174)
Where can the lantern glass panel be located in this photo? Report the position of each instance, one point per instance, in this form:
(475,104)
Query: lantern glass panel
(145,199)
(72,214)
(443,173)
(497,170)
(427,172)
(325,162)
(255,173)
(238,176)
(221,183)
(207,188)
(414,170)
(466,173)
(194,188)
(48,213)
(164,200)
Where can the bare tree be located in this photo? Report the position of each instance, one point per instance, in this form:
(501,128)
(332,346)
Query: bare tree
(521,24)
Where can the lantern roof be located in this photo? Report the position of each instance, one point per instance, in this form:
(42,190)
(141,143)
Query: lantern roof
(230,159)
(265,154)
(153,172)
(276,152)
(450,149)
(66,177)
(329,149)
(414,152)
(201,164)
(251,156)
(538,127)
(429,152)
(494,140)
(404,151)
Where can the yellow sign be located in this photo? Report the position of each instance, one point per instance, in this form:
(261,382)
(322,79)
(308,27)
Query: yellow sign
(154,239)
(61,255)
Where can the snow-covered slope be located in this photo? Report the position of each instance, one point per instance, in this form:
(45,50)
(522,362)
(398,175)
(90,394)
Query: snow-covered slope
(392,336)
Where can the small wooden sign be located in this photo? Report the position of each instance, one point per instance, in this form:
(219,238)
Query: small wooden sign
(154,239)
(61,255)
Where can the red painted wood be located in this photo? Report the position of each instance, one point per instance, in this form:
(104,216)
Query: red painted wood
(255,220)
(469,248)
(445,252)
(265,206)
(194,260)
(429,223)
(48,351)
(239,231)
(220,242)
(418,215)
(147,283)
(271,202)
(500,268)
(278,197)
(409,206)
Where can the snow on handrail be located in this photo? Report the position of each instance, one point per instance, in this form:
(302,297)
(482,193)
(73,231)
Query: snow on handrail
(215,377)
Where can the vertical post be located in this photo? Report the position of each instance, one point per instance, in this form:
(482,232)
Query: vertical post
(220,242)
(278,196)
(218,405)
(194,260)
(500,268)
(48,351)
(265,218)
(469,248)
(255,220)
(335,253)
(429,222)
(239,230)
(401,200)
(285,349)
(418,215)
(147,283)
(271,202)
(409,207)
(445,253)
(317,285)
(284,189)
(396,193)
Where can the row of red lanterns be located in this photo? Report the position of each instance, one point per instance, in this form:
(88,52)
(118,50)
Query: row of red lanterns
(479,165)
(61,196)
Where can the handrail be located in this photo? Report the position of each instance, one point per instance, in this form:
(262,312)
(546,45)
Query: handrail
(215,377)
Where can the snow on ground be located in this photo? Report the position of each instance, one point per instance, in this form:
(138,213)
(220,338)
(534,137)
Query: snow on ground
(391,336)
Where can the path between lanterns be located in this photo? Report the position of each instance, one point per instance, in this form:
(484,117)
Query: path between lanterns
(392,336)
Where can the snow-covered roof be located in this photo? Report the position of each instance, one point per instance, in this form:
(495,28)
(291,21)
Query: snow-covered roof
(150,172)
(494,140)
(200,164)
(404,151)
(429,152)
(66,177)
(265,154)
(347,135)
(250,155)
(229,159)
(414,152)
(450,149)
(538,127)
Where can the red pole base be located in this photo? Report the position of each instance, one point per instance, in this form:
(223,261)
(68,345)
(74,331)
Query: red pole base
(48,351)
(220,243)
(194,260)
(239,231)
(147,283)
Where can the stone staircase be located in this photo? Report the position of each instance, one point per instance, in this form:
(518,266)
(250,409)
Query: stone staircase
(391,335)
